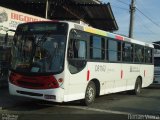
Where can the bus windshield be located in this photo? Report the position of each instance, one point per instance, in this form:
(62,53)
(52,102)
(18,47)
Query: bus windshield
(39,47)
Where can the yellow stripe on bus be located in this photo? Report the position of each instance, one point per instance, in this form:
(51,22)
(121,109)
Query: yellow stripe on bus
(95,31)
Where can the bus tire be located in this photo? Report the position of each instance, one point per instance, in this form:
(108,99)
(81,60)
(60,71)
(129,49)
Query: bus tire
(137,88)
(90,94)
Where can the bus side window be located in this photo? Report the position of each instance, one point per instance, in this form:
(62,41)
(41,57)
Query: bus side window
(77,49)
(114,50)
(148,55)
(97,48)
(127,55)
(77,55)
(80,49)
(139,54)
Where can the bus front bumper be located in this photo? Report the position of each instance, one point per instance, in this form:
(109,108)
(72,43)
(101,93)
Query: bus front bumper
(55,95)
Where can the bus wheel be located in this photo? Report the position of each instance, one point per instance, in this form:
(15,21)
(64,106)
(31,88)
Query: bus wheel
(137,88)
(90,94)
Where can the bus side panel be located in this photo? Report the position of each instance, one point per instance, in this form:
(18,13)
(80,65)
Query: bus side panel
(132,71)
(109,76)
(115,73)
(98,71)
(77,85)
(147,74)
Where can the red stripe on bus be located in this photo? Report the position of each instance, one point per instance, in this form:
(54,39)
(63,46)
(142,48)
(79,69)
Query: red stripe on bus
(121,74)
(88,75)
(144,73)
(119,37)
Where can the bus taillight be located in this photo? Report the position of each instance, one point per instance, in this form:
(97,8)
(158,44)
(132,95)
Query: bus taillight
(34,82)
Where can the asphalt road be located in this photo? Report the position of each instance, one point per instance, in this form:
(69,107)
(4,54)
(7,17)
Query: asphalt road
(119,106)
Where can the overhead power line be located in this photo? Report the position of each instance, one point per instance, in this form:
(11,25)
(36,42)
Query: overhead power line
(148,18)
(120,7)
(123,2)
(140,20)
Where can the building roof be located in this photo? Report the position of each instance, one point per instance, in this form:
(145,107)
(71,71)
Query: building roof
(97,15)
(92,12)
(156,44)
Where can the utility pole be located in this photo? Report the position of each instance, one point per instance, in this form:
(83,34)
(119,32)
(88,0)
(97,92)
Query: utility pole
(132,11)
(47,7)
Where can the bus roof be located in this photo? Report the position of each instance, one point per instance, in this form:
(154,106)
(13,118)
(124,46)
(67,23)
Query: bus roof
(110,35)
(89,29)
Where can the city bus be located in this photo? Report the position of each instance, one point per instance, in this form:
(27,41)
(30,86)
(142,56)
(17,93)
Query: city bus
(62,61)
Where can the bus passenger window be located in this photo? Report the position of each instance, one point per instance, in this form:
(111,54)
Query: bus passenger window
(77,49)
(148,55)
(77,55)
(127,55)
(81,49)
(139,54)
(114,50)
(97,48)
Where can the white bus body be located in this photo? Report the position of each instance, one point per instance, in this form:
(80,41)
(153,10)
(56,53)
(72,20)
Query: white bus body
(97,69)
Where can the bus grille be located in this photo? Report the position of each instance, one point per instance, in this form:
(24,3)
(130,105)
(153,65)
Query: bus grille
(29,93)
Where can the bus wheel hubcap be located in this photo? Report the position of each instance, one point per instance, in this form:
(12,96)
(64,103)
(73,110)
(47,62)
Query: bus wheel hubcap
(90,93)
(138,87)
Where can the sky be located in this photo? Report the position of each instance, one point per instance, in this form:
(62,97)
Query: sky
(147,18)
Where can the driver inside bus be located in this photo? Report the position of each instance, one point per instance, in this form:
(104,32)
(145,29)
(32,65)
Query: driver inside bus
(27,49)
(28,45)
